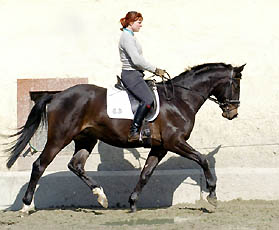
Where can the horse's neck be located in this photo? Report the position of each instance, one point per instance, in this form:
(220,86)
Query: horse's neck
(197,89)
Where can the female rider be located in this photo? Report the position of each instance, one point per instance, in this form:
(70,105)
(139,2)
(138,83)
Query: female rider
(133,66)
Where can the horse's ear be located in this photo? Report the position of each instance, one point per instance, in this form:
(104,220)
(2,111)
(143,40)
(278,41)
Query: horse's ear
(239,69)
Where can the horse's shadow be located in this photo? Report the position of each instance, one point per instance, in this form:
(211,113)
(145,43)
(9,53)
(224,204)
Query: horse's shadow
(64,189)
(115,161)
(165,184)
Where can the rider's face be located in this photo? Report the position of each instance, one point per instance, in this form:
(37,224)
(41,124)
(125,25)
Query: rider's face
(136,25)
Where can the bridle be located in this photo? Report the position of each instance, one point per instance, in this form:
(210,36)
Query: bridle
(228,101)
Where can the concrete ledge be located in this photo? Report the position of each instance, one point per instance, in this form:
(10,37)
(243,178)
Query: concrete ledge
(165,188)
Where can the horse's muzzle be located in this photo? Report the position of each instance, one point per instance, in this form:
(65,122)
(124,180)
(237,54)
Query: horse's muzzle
(230,113)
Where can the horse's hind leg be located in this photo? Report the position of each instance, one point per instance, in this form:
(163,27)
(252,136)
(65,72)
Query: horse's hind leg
(154,157)
(39,166)
(83,149)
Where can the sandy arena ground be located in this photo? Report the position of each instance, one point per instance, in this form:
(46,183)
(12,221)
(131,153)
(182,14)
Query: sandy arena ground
(236,214)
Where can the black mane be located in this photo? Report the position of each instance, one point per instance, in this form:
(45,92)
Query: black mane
(195,70)
(209,65)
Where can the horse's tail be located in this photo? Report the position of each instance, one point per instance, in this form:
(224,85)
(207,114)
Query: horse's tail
(25,133)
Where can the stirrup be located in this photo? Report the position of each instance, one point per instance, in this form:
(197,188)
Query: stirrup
(134,134)
(132,137)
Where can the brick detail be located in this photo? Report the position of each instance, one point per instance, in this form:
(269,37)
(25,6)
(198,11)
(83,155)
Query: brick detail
(27,86)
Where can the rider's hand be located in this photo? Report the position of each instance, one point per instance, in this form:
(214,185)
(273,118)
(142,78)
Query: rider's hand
(160,72)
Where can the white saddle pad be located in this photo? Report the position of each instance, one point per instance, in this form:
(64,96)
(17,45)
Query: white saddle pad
(119,106)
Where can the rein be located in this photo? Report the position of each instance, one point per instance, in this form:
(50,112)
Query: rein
(183,87)
(221,104)
(169,98)
(204,98)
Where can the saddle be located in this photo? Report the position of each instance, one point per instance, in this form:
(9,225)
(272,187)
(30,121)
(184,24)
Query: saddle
(149,135)
(134,101)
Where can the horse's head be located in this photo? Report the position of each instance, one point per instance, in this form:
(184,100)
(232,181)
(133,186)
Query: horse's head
(228,96)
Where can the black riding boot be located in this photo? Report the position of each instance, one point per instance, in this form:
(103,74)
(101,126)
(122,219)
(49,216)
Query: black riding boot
(135,127)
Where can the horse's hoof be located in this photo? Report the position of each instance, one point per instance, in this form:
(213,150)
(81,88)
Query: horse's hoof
(132,200)
(28,209)
(212,200)
(133,208)
(102,199)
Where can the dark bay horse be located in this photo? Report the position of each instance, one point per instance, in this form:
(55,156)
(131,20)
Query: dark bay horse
(79,114)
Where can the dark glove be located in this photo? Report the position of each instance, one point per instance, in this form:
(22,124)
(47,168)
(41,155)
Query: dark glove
(160,72)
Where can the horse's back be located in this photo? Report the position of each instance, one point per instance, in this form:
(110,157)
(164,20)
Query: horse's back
(82,90)
(75,93)
(76,101)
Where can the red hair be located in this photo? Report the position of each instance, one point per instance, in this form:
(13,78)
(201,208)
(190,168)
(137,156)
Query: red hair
(131,16)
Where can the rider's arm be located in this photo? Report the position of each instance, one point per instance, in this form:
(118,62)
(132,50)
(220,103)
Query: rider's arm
(132,49)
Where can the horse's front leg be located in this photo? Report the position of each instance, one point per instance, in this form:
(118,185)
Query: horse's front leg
(184,149)
(154,157)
